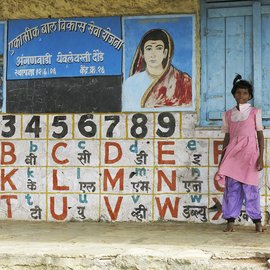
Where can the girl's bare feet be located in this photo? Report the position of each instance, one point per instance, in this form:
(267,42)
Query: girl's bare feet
(259,227)
(230,227)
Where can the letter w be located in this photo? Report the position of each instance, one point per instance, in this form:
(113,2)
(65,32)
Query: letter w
(196,198)
(162,209)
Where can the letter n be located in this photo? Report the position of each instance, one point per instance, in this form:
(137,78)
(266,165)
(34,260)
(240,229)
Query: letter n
(171,184)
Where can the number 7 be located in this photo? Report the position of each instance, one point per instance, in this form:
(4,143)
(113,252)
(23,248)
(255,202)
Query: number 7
(116,120)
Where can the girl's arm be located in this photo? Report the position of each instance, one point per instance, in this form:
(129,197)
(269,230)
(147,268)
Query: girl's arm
(261,150)
(225,143)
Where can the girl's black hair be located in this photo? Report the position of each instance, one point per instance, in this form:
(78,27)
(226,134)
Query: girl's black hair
(239,83)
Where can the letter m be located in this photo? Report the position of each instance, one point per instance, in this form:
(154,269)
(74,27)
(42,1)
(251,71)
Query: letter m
(118,177)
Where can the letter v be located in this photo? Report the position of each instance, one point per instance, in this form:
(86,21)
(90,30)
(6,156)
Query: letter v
(113,214)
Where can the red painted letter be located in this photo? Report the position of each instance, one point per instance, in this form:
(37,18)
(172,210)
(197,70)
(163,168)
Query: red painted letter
(113,214)
(170,184)
(56,160)
(55,182)
(8,198)
(119,176)
(5,152)
(168,203)
(107,152)
(6,178)
(162,152)
(64,211)
(217,151)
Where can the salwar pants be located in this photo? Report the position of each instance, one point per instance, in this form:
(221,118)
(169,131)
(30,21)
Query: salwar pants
(235,194)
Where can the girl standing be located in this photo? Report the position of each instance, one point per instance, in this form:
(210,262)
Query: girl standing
(241,159)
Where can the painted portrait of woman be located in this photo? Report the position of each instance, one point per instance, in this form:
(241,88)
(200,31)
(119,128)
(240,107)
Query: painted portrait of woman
(152,71)
(154,82)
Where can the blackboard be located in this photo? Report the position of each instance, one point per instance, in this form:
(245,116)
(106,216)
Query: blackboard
(65,95)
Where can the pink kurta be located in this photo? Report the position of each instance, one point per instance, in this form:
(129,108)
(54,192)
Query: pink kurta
(239,161)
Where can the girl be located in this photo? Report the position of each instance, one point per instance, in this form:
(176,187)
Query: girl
(241,159)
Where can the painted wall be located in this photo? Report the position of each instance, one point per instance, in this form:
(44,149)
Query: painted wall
(15,9)
(92,174)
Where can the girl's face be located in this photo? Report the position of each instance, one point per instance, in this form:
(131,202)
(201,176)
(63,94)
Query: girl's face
(242,95)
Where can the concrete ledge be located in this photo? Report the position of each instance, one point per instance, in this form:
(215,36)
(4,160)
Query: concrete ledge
(111,246)
(127,261)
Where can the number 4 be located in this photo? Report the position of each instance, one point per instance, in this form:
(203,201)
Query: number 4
(34,126)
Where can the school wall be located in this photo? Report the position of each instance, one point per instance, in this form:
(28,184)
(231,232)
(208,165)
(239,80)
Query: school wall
(173,182)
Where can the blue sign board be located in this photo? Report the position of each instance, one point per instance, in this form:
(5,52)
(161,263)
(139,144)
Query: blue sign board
(2,67)
(69,47)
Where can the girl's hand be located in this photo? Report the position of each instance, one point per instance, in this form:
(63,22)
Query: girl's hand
(259,163)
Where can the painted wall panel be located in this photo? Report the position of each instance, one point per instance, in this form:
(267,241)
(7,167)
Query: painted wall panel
(114,179)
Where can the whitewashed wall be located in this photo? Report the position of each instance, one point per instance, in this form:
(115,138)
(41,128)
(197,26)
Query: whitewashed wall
(122,178)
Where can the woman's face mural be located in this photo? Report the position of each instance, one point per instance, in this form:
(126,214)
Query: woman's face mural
(154,53)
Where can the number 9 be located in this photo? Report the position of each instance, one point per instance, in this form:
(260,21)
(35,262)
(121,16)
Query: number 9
(169,124)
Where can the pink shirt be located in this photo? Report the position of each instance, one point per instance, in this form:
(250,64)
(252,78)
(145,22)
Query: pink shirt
(241,155)
(241,115)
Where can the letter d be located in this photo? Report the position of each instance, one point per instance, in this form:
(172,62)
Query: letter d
(134,147)
(117,155)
